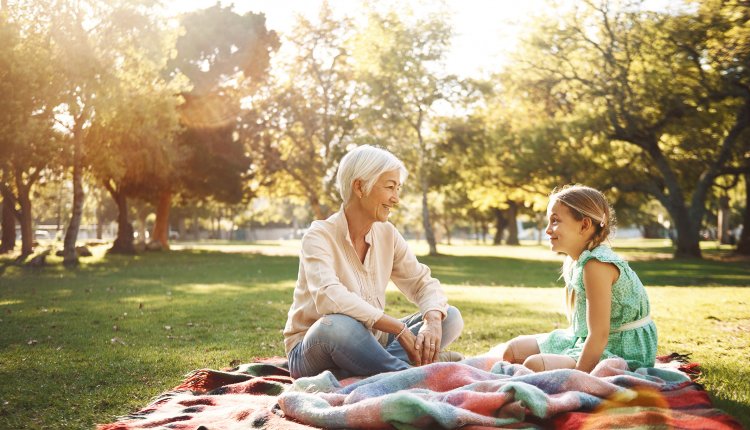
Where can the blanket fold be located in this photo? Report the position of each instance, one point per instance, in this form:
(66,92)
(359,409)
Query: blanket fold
(476,393)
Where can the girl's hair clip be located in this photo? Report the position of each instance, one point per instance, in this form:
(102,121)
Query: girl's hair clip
(601,224)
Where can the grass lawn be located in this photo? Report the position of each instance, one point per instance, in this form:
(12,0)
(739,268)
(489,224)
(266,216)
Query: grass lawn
(79,347)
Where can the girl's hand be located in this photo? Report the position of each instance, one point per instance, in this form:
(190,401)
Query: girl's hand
(428,339)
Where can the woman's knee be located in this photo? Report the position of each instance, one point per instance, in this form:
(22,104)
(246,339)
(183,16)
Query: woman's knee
(336,328)
(453,319)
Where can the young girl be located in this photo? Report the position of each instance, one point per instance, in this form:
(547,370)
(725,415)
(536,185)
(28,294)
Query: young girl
(607,305)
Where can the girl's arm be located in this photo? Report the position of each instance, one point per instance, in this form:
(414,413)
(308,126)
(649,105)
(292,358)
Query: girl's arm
(598,278)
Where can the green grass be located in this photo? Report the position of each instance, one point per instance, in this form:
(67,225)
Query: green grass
(79,347)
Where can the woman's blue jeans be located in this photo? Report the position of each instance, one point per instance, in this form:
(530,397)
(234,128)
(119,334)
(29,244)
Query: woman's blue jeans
(344,346)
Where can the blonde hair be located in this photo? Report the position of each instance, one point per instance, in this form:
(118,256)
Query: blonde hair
(366,163)
(584,202)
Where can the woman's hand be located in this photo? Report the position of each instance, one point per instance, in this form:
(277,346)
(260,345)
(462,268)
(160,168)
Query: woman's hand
(428,338)
(425,346)
(408,342)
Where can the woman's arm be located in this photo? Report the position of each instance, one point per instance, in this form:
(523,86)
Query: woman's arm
(598,278)
(415,280)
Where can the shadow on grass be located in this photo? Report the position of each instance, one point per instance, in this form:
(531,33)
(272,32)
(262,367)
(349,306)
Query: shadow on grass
(694,273)
(736,409)
(722,389)
(177,267)
(475,270)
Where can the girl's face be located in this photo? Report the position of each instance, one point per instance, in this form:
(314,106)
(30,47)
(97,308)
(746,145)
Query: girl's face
(383,196)
(566,234)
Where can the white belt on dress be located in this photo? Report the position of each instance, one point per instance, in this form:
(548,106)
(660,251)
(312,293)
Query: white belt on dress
(633,324)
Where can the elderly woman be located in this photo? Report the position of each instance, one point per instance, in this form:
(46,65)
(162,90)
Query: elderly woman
(337,320)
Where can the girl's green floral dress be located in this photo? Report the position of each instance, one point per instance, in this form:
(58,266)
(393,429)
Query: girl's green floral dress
(629,304)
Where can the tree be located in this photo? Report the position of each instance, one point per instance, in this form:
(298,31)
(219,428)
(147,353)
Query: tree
(726,22)
(8,221)
(29,144)
(669,117)
(490,151)
(301,129)
(400,57)
(8,241)
(132,144)
(96,38)
(225,57)
(743,244)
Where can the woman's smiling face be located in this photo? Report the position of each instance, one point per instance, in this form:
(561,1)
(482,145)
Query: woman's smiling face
(383,196)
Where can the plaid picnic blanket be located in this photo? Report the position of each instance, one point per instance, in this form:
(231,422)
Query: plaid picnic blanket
(476,393)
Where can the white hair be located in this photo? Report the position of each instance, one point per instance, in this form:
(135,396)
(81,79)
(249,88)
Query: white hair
(366,163)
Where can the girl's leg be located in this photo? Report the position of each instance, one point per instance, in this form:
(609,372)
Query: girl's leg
(344,346)
(453,324)
(520,348)
(542,362)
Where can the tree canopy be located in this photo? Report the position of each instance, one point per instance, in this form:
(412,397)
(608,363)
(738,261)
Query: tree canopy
(211,109)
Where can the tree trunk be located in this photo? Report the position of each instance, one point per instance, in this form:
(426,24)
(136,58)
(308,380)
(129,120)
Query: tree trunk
(428,233)
(687,218)
(100,220)
(512,224)
(688,235)
(161,225)
(59,215)
(124,241)
(70,257)
(24,202)
(499,227)
(8,241)
(195,228)
(743,245)
(724,229)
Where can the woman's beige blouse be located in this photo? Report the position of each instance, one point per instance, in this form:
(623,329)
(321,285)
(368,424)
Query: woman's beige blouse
(332,280)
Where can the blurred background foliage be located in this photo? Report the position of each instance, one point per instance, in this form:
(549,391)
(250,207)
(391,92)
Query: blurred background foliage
(120,122)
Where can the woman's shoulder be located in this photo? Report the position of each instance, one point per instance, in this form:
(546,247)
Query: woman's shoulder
(323,228)
(385,232)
